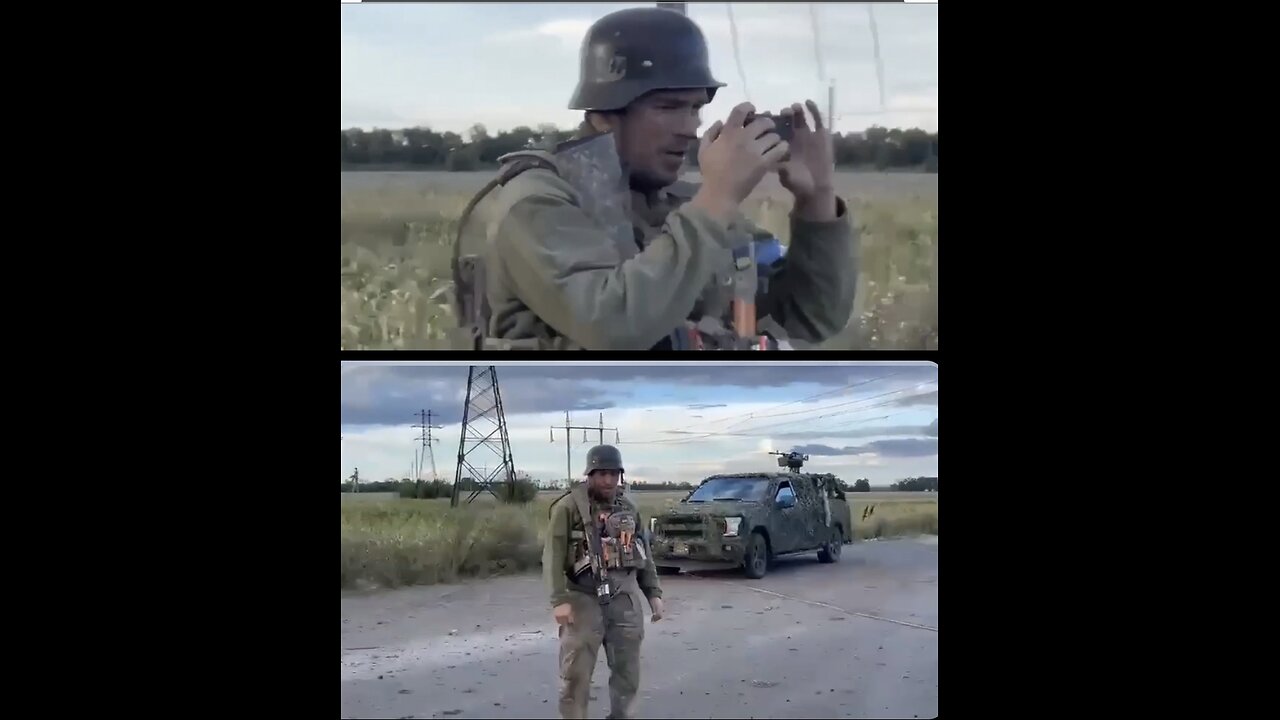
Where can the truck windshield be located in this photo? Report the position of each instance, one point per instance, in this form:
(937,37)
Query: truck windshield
(743,488)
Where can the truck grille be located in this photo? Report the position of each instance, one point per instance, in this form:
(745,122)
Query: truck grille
(682,527)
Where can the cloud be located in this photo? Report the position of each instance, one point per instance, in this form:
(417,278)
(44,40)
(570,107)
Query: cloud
(374,394)
(527,56)
(392,395)
(380,402)
(886,431)
(566,32)
(902,448)
(928,398)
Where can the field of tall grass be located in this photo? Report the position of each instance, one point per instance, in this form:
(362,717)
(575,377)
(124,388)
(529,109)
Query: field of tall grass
(398,230)
(422,542)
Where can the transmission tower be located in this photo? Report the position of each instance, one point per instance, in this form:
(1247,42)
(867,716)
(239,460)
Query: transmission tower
(355,481)
(482,419)
(568,444)
(425,450)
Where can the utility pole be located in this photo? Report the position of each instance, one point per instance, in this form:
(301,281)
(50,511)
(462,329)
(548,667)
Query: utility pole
(424,450)
(831,107)
(482,419)
(568,445)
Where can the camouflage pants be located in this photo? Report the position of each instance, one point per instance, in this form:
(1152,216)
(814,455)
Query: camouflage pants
(619,627)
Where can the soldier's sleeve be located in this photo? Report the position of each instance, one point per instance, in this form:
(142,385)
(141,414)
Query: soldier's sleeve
(647,577)
(811,294)
(555,548)
(568,271)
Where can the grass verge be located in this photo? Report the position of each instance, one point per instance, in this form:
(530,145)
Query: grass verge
(397,242)
(423,542)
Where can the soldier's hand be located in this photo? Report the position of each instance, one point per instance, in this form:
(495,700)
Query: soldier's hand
(656,605)
(733,159)
(810,172)
(564,614)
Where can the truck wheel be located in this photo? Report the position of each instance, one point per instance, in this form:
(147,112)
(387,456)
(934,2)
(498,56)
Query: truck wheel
(831,551)
(756,561)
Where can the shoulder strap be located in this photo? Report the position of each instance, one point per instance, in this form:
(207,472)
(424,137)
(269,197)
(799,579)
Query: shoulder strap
(579,495)
(512,165)
(556,501)
(470,305)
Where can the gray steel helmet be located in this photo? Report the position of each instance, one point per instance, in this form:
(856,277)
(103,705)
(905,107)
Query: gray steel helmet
(632,52)
(604,457)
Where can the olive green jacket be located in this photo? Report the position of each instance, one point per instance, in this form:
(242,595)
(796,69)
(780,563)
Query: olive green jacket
(555,280)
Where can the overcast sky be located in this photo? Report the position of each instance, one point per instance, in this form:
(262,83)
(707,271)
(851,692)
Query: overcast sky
(676,422)
(448,66)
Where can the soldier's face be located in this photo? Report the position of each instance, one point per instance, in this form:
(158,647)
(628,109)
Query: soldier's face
(657,133)
(603,483)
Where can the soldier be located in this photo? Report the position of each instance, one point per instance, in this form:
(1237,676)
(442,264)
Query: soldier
(553,276)
(590,613)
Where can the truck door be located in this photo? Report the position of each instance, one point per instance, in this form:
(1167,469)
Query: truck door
(811,516)
(789,515)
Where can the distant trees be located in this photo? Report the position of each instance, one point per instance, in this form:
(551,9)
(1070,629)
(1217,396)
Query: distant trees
(658,487)
(917,484)
(877,147)
(526,488)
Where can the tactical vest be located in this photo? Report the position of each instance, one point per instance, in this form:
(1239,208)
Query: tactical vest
(472,311)
(623,549)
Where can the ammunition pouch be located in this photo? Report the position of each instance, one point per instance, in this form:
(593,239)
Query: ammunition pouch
(711,334)
(622,548)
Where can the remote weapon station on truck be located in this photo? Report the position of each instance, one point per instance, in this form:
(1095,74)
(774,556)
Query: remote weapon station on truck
(748,520)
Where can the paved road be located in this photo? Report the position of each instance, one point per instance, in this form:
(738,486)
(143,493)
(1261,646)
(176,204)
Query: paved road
(858,639)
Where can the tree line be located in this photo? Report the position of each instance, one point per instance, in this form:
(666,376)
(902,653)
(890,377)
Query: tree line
(526,489)
(425,149)
(916,484)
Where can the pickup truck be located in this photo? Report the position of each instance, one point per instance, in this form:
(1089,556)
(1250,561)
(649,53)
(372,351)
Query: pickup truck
(748,520)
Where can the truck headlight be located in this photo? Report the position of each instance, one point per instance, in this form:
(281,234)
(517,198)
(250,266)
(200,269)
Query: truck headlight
(731,526)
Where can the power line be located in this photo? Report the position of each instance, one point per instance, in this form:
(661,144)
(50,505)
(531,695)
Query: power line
(763,413)
(842,412)
(754,416)
(737,56)
(817,44)
(759,416)
(568,444)
(749,432)
(875,48)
